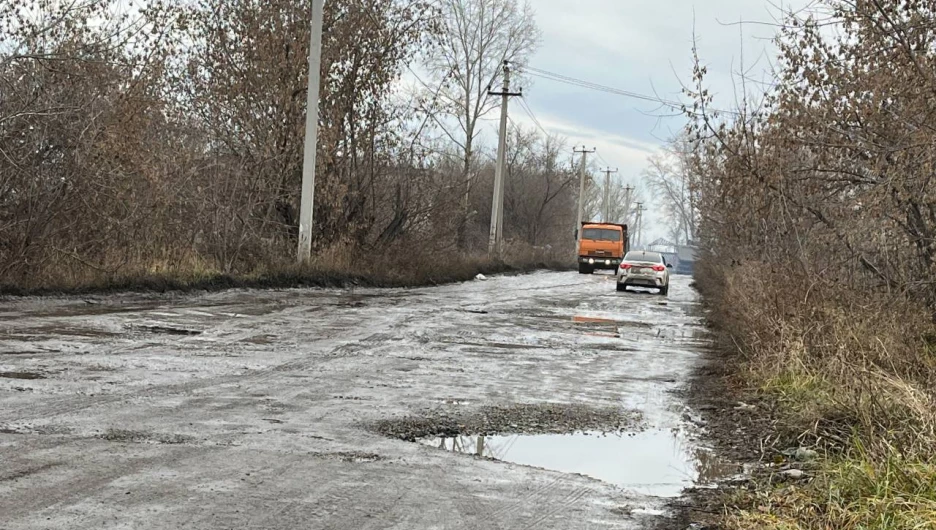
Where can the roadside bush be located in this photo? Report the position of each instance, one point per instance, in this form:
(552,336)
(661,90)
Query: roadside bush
(817,218)
(161,143)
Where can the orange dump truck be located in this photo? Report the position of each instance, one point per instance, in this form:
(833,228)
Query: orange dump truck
(601,246)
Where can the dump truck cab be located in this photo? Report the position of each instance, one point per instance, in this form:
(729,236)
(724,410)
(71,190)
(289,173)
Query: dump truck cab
(601,246)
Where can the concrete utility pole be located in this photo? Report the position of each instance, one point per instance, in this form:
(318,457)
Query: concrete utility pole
(628,197)
(581,197)
(640,210)
(497,204)
(628,191)
(607,193)
(311,134)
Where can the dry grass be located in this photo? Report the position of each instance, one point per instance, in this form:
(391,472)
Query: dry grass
(854,376)
(334,267)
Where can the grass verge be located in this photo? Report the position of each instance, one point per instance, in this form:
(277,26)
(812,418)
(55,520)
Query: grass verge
(842,377)
(396,270)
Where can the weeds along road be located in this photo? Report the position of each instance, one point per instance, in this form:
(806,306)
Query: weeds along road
(254,409)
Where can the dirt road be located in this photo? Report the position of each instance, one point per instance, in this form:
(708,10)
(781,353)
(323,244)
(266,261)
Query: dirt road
(249,409)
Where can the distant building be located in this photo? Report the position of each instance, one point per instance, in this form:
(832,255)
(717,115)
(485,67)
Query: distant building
(667,249)
(685,259)
(682,257)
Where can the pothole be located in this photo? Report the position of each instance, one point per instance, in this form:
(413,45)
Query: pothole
(128,436)
(42,333)
(607,323)
(658,463)
(265,339)
(21,375)
(169,330)
(544,418)
(348,456)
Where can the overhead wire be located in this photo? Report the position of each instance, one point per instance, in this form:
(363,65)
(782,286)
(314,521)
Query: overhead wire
(560,78)
(529,112)
(544,74)
(552,76)
(532,115)
(602,159)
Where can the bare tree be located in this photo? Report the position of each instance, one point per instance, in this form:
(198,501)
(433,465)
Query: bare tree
(164,137)
(623,203)
(77,99)
(817,231)
(476,37)
(540,188)
(670,182)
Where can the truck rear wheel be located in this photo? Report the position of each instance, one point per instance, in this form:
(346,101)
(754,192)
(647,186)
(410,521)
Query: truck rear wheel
(585,269)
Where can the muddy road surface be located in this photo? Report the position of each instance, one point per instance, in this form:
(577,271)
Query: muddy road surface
(544,401)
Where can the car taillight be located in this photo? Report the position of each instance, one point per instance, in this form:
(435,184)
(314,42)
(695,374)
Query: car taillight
(659,268)
(625,265)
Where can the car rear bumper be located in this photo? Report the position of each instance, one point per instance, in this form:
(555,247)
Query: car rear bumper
(638,280)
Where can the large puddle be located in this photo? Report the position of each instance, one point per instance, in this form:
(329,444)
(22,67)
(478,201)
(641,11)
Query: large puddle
(656,463)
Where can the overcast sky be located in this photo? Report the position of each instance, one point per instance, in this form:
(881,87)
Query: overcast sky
(640,46)
(643,47)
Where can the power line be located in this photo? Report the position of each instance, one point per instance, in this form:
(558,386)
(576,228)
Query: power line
(544,74)
(529,112)
(602,159)
(560,78)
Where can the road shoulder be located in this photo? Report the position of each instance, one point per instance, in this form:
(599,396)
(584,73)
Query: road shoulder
(738,424)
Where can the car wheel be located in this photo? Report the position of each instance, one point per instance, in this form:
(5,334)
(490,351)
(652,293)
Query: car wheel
(664,290)
(585,269)
(621,287)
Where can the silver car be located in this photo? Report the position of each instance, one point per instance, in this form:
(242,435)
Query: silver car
(644,269)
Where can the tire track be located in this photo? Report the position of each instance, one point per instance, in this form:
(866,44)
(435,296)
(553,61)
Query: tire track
(69,405)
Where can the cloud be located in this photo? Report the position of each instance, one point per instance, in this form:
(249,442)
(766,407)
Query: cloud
(645,47)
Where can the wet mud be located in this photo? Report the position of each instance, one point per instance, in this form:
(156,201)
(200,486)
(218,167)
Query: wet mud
(340,409)
(513,419)
(22,375)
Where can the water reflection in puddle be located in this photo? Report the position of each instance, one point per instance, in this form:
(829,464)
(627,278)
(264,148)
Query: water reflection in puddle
(593,320)
(658,463)
(602,327)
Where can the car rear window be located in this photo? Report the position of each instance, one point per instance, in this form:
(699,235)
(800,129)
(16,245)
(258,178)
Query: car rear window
(601,234)
(649,257)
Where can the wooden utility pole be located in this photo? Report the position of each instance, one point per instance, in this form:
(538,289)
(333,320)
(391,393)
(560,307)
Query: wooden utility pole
(497,204)
(307,195)
(581,197)
(607,194)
